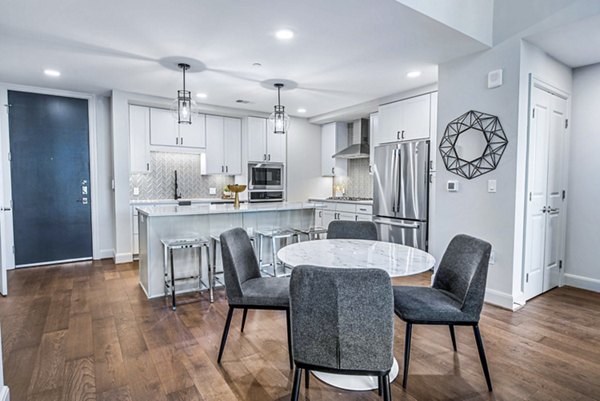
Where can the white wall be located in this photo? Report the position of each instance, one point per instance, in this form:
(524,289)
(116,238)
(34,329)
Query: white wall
(105,197)
(304,162)
(582,265)
(472,210)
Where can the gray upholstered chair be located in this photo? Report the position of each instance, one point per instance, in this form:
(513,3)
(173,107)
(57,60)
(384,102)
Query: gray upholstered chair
(348,229)
(455,299)
(342,322)
(245,287)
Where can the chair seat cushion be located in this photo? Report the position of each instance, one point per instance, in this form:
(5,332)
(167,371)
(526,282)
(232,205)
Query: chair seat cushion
(265,291)
(428,305)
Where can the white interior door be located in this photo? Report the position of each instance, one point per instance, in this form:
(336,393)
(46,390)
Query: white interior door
(543,237)
(7,259)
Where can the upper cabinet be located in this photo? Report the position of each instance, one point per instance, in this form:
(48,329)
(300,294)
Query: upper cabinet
(334,137)
(139,139)
(263,144)
(223,146)
(166,133)
(405,120)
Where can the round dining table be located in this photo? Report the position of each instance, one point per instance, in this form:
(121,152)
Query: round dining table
(397,260)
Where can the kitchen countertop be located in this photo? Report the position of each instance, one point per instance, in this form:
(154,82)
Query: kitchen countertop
(356,202)
(206,209)
(174,202)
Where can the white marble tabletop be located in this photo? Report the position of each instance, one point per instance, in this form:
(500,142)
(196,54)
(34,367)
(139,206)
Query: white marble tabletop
(397,260)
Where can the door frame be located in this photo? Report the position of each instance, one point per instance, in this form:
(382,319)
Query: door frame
(536,82)
(6,247)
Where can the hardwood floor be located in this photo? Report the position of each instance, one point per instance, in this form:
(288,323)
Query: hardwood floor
(87,332)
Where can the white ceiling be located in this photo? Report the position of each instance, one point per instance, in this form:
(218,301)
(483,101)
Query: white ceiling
(344,52)
(576,44)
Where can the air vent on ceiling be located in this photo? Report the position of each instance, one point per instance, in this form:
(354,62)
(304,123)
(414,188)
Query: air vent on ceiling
(242,101)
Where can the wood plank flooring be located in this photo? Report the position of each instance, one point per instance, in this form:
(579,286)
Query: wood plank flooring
(87,332)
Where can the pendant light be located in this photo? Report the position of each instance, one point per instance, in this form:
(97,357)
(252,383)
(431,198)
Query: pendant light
(183,106)
(279,121)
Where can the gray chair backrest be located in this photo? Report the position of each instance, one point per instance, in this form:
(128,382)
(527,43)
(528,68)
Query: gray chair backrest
(342,318)
(342,229)
(463,272)
(239,261)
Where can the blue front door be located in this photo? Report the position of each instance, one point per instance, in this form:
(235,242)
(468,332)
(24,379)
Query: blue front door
(50,175)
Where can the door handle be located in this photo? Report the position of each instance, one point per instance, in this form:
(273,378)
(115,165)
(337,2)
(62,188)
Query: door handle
(553,210)
(4,209)
(413,226)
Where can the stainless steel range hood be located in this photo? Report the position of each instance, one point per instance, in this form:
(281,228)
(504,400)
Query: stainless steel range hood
(360,142)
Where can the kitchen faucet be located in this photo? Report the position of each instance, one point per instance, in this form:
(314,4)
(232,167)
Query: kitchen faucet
(177,195)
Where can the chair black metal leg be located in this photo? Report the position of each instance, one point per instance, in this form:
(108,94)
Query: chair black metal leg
(380,385)
(406,353)
(225,333)
(244,318)
(296,387)
(387,391)
(306,378)
(482,357)
(453,337)
(289,337)
(173,302)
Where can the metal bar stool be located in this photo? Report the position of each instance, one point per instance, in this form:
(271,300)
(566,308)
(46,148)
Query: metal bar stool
(276,236)
(312,233)
(213,274)
(169,245)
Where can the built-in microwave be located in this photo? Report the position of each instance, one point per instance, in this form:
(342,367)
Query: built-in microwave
(266,177)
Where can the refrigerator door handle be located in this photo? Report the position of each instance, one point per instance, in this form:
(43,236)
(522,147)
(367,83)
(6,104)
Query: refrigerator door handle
(395,178)
(403,225)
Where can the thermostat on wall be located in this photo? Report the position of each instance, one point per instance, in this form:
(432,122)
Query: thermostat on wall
(452,186)
(494,79)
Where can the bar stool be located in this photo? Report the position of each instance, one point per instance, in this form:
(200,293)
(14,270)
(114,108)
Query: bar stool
(312,233)
(276,236)
(169,245)
(215,241)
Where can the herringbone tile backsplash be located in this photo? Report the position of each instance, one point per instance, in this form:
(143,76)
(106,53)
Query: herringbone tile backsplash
(159,183)
(358,182)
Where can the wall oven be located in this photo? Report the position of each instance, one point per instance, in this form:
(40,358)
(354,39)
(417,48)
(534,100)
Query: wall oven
(266,182)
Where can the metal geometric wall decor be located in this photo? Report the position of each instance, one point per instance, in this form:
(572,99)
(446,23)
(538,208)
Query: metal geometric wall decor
(477,126)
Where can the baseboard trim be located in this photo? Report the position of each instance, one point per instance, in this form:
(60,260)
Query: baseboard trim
(107,253)
(4,394)
(501,299)
(585,283)
(123,258)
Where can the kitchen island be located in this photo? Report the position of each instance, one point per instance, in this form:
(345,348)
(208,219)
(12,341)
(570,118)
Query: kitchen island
(160,222)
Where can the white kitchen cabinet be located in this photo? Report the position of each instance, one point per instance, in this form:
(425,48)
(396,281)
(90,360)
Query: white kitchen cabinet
(232,140)
(139,139)
(327,217)
(193,135)
(346,216)
(223,146)
(364,217)
(167,135)
(334,137)
(404,120)
(263,144)
(373,130)
(318,218)
(163,128)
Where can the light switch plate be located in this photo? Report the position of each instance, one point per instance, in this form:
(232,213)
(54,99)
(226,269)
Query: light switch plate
(452,186)
(212,191)
(492,186)
(494,79)
(136,191)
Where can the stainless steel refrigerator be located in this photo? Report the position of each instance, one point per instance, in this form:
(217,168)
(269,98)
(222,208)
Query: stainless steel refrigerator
(401,192)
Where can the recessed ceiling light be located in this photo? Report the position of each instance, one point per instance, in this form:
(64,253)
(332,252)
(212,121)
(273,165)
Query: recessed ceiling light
(301,110)
(284,34)
(414,74)
(52,73)
(201,95)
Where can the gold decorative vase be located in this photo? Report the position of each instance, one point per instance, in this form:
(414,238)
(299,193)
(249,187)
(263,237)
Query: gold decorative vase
(236,189)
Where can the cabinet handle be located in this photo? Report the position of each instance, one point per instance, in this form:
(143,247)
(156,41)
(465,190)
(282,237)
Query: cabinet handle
(176,140)
(402,134)
(182,140)
(333,170)
(269,157)
(265,157)
(398,135)
(320,213)
(226,169)
(222,169)
(147,166)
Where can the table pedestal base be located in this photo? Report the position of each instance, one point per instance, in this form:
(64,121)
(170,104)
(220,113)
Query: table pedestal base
(355,383)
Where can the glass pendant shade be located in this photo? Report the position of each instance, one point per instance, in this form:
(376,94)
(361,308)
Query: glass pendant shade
(279,121)
(183,106)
